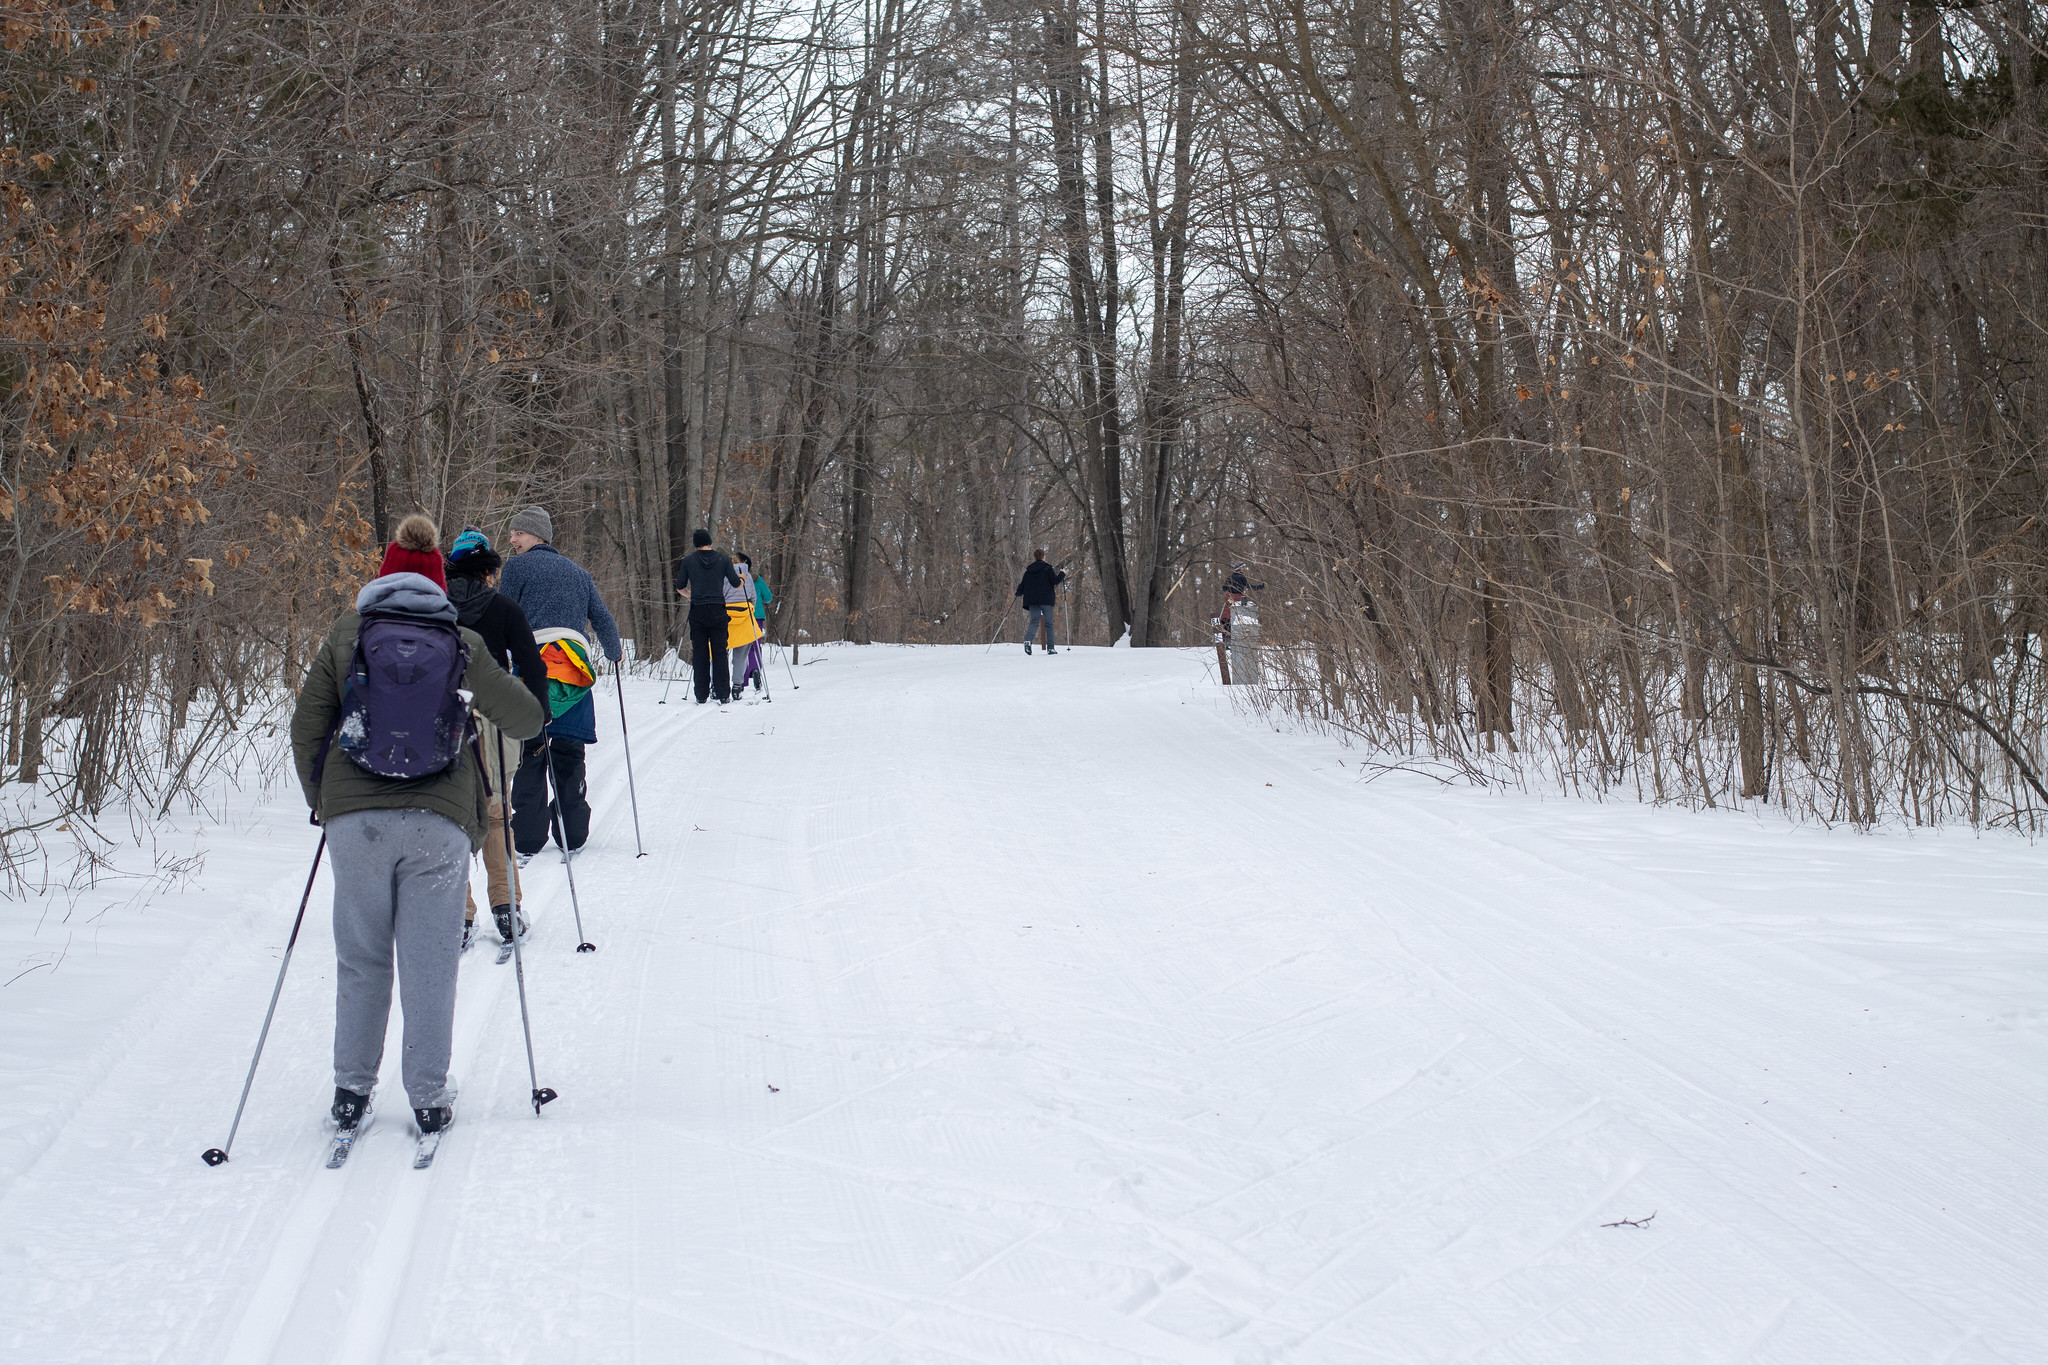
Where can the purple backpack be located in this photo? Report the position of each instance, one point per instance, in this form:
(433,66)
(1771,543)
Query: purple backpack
(402,712)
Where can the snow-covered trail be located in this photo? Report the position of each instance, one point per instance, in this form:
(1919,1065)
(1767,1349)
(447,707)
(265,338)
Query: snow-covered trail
(970,1008)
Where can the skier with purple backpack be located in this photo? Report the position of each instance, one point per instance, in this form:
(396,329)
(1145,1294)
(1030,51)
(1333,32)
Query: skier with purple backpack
(383,737)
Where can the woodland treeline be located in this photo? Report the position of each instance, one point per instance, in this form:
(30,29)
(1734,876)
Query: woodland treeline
(1638,397)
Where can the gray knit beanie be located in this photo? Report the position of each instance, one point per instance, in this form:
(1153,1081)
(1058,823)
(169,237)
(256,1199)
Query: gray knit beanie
(535,521)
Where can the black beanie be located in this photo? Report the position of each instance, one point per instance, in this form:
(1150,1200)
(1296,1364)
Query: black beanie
(700,537)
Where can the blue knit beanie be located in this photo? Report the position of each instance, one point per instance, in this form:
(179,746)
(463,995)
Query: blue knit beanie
(471,556)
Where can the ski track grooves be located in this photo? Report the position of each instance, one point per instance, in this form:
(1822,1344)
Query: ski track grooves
(333,1281)
(980,1009)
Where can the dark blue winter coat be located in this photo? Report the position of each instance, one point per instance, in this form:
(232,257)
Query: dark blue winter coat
(1040,578)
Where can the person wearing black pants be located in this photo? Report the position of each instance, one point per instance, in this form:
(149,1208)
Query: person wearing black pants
(531,815)
(701,579)
(556,593)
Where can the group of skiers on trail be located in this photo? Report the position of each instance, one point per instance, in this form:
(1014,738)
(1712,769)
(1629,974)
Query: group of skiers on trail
(457,692)
(451,671)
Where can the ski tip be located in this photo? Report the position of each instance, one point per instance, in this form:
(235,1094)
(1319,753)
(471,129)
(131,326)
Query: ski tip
(586,947)
(542,1096)
(214,1156)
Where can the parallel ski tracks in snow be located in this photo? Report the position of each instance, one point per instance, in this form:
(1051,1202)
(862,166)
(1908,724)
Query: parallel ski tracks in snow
(331,1286)
(978,1012)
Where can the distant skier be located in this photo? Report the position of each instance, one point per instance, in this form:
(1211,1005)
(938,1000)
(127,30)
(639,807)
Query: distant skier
(739,624)
(561,601)
(755,656)
(401,814)
(701,579)
(473,587)
(1036,590)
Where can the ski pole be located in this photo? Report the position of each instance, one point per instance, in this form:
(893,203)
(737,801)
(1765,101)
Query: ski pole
(788,669)
(583,945)
(214,1156)
(761,668)
(1000,624)
(626,742)
(675,667)
(671,678)
(541,1094)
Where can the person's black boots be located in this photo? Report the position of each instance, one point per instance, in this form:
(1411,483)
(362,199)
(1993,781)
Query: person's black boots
(503,915)
(434,1120)
(349,1107)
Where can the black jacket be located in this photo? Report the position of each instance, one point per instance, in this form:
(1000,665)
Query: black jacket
(498,619)
(704,574)
(1040,578)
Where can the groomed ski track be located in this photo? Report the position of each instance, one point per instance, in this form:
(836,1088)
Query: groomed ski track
(974,1008)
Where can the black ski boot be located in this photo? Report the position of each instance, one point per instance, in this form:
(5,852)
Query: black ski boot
(433,1126)
(468,934)
(503,914)
(349,1108)
(351,1116)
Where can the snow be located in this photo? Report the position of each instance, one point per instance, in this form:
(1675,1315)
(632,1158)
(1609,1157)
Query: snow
(976,1008)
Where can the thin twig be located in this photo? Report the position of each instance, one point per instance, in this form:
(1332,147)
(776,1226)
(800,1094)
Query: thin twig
(1631,1222)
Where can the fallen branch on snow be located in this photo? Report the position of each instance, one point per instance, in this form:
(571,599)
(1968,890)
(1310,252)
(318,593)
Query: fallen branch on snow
(1631,1222)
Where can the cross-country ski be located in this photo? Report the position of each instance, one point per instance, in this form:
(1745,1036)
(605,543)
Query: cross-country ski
(424,1148)
(345,1141)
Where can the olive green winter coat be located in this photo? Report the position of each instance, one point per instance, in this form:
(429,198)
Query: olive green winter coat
(454,792)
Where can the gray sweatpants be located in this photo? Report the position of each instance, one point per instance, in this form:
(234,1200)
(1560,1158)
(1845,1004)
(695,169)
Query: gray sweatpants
(399,876)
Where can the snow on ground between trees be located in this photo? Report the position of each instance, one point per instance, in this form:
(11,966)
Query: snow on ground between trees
(971,1007)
